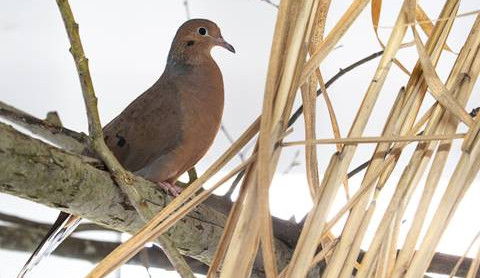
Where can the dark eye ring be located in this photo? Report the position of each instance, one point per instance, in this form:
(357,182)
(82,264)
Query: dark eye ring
(202,31)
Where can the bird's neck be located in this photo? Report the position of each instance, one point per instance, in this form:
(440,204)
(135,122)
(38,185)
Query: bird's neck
(179,64)
(189,56)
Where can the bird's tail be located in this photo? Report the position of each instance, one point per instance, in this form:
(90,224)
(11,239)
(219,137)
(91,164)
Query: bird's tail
(60,230)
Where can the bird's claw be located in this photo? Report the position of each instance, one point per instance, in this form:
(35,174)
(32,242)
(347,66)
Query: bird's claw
(168,187)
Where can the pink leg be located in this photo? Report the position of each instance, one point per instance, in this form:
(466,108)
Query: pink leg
(172,188)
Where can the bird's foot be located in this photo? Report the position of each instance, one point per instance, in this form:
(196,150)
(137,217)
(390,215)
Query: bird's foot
(172,188)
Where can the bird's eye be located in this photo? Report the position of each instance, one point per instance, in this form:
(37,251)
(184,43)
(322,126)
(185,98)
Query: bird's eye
(202,31)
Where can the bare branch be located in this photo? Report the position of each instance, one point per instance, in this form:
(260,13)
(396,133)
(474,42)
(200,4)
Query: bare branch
(230,139)
(187,8)
(360,62)
(294,163)
(270,3)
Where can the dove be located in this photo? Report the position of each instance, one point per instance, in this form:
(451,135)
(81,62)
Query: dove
(166,130)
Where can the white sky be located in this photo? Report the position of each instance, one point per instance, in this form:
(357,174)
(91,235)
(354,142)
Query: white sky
(127,44)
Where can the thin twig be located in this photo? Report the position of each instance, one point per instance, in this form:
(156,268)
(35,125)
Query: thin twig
(270,3)
(360,62)
(231,140)
(123,178)
(146,261)
(294,163)
(474,112)
(187,8)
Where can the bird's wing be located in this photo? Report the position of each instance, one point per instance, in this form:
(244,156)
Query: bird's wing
(60,230)
(148,128)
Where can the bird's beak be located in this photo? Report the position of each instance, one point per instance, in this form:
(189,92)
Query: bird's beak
(221,42)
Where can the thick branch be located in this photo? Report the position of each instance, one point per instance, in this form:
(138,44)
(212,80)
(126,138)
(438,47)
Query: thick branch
(44,174)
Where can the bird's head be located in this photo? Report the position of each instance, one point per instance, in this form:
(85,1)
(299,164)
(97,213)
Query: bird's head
(196,37)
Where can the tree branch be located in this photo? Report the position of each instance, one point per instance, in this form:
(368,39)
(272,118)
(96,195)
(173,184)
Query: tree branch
(44,174)
(68,139)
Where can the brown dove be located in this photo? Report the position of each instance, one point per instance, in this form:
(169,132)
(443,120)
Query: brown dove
(166,130)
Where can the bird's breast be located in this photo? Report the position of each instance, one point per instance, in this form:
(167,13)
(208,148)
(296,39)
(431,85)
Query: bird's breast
(202,107)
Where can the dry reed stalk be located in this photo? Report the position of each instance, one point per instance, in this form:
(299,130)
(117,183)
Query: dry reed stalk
(420,171)
(433,177)
(333,122)
(343,254)
(333,37)
(464,173)
(376,8)
(348,228)
(315,41)
(316,219)
(230,226)
(367,184)
(438,90)
(404,189)
(412,100)
(382,264)
(461,178)
(336,132)
(426,23)
(278,98)
(357,241)
(437,168)
(309,96)
(309,92)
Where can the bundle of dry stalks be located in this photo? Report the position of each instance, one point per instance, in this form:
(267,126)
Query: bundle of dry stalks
(298,49)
